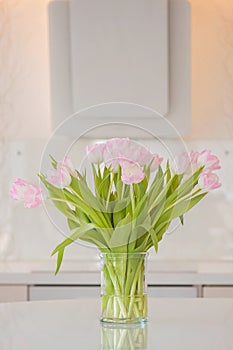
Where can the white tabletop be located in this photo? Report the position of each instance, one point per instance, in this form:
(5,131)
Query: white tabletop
(63,325)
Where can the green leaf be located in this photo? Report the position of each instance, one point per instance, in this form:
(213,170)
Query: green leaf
(102,186)
(140,189)
(157,196)
(106,183)
(96,217)
(82,216)
(75,185)
(139,231)
(186,187)
(142,243)
(141,205)
(72,224)
(162,231)
(182,219)
(178,209)
(58,198)
(88,196)
(119,211)
(62,206)
(79,232)
(175,183)
(159,175)
(96,237)
(154,239)
(158,211)
(53,162)
(168,172)
(142,216)
(59,260)
(121,234)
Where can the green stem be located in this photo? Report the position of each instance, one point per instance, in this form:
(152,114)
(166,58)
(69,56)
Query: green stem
(61,200)
(117,290)
(109,191)
(75,193)
(122,191)
(132,198)
(133,288)
(105,220)
(189,195)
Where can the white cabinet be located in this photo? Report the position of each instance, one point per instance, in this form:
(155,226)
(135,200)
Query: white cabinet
(62,292)
(10,293)
(218,292)
(172,292)
(75,292)
(13,293)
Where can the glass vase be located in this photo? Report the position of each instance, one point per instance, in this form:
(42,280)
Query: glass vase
(126,336)
(123,287)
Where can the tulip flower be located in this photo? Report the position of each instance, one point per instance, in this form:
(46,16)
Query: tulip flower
(67,163)
(132,173)
(115,151)
(95,153)
(142,155)
(155,162)
(204,158)
(26,192)
(208,181)
(61,176)
(209,160)
(181,163)
(119,149)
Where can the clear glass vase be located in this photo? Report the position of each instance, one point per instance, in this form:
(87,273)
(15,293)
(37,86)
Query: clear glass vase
(123,287)
(126,336)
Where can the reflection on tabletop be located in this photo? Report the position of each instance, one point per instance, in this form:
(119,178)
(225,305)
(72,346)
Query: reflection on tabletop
(127,337)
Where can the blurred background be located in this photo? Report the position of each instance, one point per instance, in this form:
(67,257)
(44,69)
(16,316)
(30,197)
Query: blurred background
(34,97)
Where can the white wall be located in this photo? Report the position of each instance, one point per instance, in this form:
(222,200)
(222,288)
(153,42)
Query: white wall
(212,55)
(25,127)
(24,84)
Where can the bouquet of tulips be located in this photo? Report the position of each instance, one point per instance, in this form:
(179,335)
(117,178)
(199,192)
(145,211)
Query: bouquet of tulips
(134,201)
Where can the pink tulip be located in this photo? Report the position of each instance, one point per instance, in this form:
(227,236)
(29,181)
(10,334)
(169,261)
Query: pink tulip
(137,153)
(156,161)
(181,163)
(209,160)
(95,152)
(115,151)
(28,193)
(141,155)
(204,158)
(193,157)
(208,181)
(67,163)
(118,150)
(131,172)
(59,177)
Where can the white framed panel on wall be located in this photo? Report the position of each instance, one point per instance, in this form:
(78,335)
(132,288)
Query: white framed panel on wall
(119,52)
(128,51)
